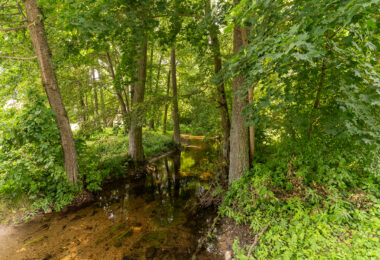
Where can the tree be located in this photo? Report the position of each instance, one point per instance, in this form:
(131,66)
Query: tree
(239,155)
(222,99)
(164,124)
(49,81)
(175,112)
(136,150)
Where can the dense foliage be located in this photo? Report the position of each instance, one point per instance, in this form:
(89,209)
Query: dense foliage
(314,181)
(311,67)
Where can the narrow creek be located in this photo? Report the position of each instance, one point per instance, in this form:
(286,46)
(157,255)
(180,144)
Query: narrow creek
(150,216)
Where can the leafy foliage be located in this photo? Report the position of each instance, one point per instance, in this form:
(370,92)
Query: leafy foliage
(31,156)
(315,176)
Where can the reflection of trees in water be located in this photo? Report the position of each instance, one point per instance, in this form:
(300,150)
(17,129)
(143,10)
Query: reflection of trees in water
(177,173)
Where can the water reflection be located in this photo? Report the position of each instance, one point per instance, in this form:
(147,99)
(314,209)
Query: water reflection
(143,217)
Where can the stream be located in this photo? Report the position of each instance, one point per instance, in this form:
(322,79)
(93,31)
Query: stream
(148,216)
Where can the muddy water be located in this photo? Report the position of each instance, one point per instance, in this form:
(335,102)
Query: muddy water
(149,216)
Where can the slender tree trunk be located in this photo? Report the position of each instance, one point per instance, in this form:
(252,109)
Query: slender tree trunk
(239,155)
(317,98)
(175,112)
(126,96)
(136,150)
(222,100)
(94,86)
(49,81)
(245,34)
(102,106)
(156,108)
(164,124)
(119,95)
(82,105)
(151,120)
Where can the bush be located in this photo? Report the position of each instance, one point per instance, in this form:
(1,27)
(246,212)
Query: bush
(31,156)
(317,203)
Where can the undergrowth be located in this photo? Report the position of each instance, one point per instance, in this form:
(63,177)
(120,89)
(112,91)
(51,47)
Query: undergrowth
(320,205)
(106,154)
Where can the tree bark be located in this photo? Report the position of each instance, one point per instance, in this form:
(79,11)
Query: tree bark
(49,81)
(175,113)
(164,123)
(151,120)
(245,34)
(136,150)
(239,155)
(156,107)
(222,100)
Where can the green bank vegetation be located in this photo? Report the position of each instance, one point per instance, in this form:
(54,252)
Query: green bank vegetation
(290,87)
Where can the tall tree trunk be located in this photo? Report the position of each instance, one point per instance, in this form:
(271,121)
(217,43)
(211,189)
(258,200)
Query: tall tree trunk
(49,81)
(239,155)
(175,113)
(164,124)
(245,34)
(222,100)
(136,150)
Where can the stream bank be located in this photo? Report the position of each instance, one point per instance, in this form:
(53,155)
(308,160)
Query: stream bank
(145,216)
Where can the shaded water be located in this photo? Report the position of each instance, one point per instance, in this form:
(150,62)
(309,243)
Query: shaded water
(145,217)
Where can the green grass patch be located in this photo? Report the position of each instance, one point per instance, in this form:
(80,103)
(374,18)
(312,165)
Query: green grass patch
(106,154)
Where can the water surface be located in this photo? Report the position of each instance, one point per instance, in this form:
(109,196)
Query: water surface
(148,216)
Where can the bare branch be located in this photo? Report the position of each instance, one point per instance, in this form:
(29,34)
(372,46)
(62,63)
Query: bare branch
(182,15)
(7,7)
(18,58)
(14,28)
(20,9)
(12,22)
(256,240)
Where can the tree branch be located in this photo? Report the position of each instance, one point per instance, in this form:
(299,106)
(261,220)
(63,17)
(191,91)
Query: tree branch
(12,22)
(256,240)
(14,28)
(7,6)
(20,9)
(182,15)
(18,58)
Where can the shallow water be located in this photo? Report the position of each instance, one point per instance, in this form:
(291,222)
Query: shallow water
(149,216)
